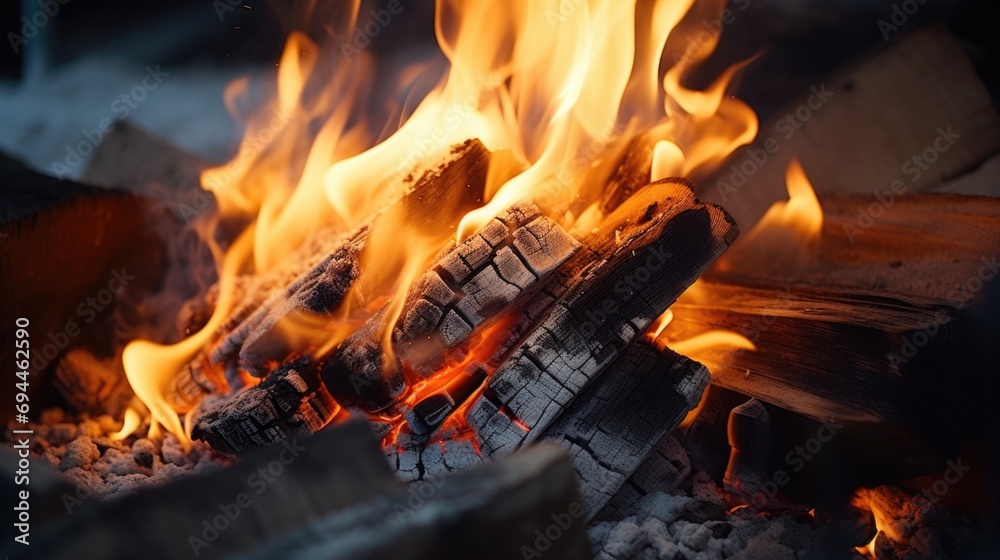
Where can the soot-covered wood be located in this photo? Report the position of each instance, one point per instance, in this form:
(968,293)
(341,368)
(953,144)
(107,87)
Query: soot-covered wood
(642,257)
(468,286)
(616,422)
(289,401)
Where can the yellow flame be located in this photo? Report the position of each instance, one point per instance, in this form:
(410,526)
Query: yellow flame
(554,89)
(661,323)
(801,215)
(129,425)
(150,366)
(693,346)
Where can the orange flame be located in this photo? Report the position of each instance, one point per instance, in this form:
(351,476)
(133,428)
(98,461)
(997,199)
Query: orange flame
(801,215)
(555,89)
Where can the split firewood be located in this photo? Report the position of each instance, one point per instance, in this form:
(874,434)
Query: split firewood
(470,285)
(860,356)
(290,401)
(91,385)
(614,424)
(923,245)
(642,257)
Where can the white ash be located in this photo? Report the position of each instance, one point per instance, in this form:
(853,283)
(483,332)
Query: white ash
(694,525)
(81,449)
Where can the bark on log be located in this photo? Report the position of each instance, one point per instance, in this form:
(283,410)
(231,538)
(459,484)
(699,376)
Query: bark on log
(644,255)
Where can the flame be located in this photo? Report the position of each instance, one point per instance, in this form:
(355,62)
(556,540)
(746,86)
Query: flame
(711,339)
(801,215)
(556,90)
(129,425)
(695,347)
(150,366)
(865,499)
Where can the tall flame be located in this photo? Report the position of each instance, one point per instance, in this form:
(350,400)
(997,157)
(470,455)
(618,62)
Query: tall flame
(556,89)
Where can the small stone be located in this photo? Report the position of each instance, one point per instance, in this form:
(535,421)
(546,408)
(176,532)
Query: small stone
(143,451)
(117,462)
(701,511)
(81,453)
(721,530)
(63,433)
(694,536)
(91,428)
(173,451)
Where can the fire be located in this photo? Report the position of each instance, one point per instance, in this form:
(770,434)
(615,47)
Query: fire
(556,90)
(865,499)
(801,216)
(129,425)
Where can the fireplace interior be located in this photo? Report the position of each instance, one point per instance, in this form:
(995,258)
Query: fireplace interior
(672,279)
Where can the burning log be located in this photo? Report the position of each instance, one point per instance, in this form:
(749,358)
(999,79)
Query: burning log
(290,401)
(196,380)
(642,257)
(317,283)
(632,173)
(466,288)
(320,289)
(618,419)
(319,292)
